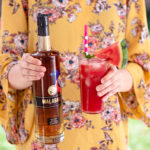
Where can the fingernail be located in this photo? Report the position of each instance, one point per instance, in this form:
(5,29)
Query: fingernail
(43,69)
(97,89)
(41,74)
(102,81)
(99,94)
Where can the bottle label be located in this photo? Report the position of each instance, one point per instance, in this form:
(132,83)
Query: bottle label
(47,102)
(53,121)
(52,90)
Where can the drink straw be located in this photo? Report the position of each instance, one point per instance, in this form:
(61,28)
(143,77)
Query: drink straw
(86,39)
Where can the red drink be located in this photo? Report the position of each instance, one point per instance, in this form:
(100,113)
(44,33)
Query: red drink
(91,72)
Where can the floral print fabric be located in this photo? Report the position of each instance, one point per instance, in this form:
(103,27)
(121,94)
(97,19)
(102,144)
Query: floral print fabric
(108,21)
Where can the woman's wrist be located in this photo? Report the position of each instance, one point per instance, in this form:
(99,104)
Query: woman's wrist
(130,80)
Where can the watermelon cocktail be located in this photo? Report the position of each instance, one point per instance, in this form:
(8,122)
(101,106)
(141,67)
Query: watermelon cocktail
(91,72)
(93,69)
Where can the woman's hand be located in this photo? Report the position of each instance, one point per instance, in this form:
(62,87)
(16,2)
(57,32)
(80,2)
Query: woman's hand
(115,81)
(27,70)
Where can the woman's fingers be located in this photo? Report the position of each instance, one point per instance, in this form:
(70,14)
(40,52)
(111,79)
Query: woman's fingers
(108,89)
(32,78)
(27,72)
(26,65)
(31,60)
(109,75)
(111,93)
(103,86)
(31,68)
(31,63)
(107,80)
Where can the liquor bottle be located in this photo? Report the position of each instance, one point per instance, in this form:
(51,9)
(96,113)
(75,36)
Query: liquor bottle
(47,91)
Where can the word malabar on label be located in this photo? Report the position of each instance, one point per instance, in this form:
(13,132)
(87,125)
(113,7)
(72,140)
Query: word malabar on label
(47,101)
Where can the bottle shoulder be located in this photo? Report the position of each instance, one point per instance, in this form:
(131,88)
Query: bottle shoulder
(49,53)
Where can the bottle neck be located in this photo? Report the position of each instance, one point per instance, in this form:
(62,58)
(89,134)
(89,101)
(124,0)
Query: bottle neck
(44,43)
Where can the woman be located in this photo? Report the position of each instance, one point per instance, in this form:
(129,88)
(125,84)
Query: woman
(126,91)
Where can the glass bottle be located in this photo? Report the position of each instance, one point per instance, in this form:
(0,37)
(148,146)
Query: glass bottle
(47,91)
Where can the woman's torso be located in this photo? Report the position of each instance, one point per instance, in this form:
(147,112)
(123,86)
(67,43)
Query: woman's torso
(106,20)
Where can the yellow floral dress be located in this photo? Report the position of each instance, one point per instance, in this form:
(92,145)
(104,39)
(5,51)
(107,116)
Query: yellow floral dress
(108,21)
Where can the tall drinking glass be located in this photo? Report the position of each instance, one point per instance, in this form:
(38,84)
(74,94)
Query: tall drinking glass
(91,72)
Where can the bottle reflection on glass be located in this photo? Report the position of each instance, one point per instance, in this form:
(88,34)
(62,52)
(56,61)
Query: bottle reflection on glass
(47,91)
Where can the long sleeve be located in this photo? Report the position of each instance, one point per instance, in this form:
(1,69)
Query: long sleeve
(136,103)
(13,40)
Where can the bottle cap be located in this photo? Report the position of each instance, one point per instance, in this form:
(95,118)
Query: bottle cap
(43,24)
(42,20)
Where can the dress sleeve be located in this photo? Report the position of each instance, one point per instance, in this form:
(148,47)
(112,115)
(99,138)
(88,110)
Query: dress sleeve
(13,38)
(136,103)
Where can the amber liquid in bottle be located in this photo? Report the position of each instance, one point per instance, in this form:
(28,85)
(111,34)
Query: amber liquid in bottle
(47,91)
